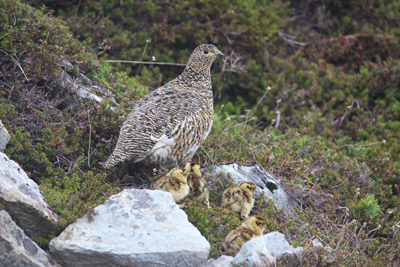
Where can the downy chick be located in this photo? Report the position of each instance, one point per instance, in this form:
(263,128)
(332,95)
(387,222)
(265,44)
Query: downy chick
(169,174)
(254,226)
(232,198)
(248,189)
(198,190)
(240,198)
(176,184)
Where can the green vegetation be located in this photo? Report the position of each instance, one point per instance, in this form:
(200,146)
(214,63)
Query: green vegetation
(329,128)
(53,144)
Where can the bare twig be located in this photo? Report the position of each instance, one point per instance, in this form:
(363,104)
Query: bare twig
(355,36)
(16,62)
(261,99)
(289,39)
(90,137)
(77,8)
(374,143)
(98,17)
(349,108)
(211,159)
(144,51)
(230,63)
(145,62)
(278,119)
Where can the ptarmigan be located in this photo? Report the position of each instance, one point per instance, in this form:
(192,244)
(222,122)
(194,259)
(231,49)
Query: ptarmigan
(176,184)
(240,198)
(168,125)
(198,190)
(252,227)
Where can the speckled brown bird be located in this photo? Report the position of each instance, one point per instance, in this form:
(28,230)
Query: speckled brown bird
(254,226)
(168,125)
(176,184)
(198,190)
(240,198)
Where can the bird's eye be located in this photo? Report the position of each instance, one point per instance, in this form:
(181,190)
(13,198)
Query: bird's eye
(205,52)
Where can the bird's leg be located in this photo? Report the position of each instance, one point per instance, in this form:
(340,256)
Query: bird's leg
(176,162)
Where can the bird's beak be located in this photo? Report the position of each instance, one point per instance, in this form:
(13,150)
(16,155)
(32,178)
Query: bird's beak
(220,54)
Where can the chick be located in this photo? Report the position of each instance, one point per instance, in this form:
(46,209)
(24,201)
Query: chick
(248,186)
(198,190)
(194,167)
(248,189)
(240,198)
(176,184)
(232,198)
(169,174)
(252,227)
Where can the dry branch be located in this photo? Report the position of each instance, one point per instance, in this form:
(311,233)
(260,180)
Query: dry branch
(145,62)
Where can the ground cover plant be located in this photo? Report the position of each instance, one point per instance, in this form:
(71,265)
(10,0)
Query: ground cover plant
(316,105)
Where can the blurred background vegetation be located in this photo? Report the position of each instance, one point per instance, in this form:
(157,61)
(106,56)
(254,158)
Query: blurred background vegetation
(320,57)
(329,127)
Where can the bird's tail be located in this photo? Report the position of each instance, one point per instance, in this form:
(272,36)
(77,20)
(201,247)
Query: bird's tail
(111,161)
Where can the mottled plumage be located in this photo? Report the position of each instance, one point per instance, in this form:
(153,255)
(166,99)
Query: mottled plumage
(198,190)
(176,184)
(252,227)
(168,125)
(240,198)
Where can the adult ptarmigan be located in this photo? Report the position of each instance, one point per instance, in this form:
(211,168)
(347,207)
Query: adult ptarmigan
(167,126)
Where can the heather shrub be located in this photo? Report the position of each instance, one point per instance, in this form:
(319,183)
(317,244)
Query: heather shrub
(59,148)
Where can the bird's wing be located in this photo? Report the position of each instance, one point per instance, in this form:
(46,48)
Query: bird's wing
(154,118)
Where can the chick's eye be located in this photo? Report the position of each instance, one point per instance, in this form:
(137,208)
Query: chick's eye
(205,52)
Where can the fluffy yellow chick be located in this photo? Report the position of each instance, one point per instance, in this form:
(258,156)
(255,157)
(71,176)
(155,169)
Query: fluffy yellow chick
(176,184)
(240,198)
(198,190)
(254,226)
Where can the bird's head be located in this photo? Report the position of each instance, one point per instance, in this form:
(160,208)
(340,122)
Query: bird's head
(237,193)
(256,223)
(204,55)
(248,186)
(194,167)
(179,173)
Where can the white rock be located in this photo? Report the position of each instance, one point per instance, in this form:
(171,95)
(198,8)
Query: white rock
(223,261)
(136,227)
(4,137)
(82,85)
(17,250)
(24,202)
(266,250)
(265,183)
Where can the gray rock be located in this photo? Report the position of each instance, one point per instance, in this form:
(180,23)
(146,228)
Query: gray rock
(24,202)
(136,227)
(4,137)
(223,261)
(81,85)
(266,250)
(265,182)
(18,250)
